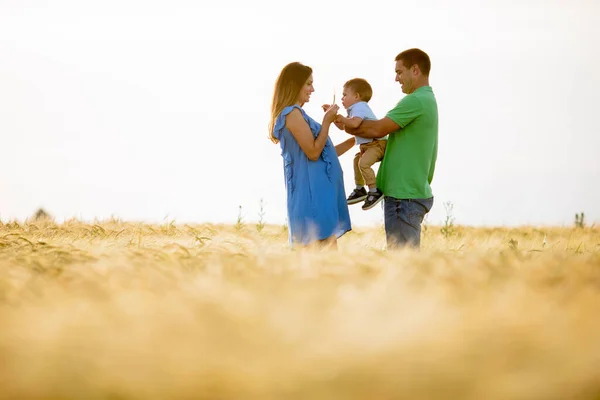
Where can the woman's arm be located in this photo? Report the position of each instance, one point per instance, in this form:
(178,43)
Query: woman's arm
(299,128)
(343,147)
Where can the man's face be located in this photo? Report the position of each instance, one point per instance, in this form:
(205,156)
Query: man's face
(405,76)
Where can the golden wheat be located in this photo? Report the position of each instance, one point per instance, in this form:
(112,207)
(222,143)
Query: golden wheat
(118,310)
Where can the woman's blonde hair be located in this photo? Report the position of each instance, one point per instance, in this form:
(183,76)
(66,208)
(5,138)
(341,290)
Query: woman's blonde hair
(290,81)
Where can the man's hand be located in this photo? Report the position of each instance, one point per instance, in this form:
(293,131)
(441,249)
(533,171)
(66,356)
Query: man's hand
(352,131)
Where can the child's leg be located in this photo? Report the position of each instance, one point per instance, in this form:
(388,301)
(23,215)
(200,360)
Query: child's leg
(372,154)
(358,177)
(382,145)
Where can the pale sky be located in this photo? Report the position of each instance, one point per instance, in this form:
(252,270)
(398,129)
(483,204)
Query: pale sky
(154,110)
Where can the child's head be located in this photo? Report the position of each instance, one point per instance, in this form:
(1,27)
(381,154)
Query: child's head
(356,90)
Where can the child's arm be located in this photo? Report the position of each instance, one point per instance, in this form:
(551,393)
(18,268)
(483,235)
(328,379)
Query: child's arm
(339,125)
(351,123)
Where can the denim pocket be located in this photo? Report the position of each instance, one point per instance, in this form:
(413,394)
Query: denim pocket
(391,208)
(417,208)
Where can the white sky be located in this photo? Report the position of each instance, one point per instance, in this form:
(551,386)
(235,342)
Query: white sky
(149,110)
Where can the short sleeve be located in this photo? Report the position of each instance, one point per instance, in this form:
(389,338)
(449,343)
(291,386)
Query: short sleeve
(280,121)
(406,111)
(360,110)
(314,126)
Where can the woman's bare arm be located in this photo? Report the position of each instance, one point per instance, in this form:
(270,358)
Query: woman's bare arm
(343,147)
(300,129)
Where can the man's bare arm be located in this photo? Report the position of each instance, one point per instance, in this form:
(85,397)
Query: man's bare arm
(374,129)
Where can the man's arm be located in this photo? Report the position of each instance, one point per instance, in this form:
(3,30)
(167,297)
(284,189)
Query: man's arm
(374,129)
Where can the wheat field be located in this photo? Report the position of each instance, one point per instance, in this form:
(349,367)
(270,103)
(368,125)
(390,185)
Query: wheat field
(118,310)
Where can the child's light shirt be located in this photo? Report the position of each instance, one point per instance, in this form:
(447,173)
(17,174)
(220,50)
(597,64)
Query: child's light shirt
(361,110)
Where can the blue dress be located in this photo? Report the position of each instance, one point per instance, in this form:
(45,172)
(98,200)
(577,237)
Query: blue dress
(316,199)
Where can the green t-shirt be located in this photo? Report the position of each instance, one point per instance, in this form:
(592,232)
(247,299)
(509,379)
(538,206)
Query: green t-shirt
(406,170)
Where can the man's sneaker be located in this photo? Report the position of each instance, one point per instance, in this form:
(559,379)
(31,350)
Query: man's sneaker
(372,199)
(357,196)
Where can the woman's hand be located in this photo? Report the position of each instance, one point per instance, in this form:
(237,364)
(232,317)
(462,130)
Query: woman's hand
(330,114)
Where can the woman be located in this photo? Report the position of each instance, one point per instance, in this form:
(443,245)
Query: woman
(316,202)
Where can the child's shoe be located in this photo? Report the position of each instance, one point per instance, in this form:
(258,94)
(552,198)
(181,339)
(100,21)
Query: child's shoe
(357,196)
(372,199)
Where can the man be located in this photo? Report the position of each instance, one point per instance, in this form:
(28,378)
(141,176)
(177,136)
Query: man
(406,171)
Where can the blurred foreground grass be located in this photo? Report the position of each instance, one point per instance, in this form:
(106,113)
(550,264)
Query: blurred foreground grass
(131,311)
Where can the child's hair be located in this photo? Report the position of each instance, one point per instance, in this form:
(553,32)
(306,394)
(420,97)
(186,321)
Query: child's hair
(361,87)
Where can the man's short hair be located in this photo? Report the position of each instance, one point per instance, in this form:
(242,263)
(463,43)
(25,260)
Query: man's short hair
(411,57)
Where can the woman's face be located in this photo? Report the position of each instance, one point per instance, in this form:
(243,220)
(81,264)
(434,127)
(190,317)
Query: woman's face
(306,91)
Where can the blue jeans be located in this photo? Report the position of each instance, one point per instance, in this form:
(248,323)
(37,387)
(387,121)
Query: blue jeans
(403,218)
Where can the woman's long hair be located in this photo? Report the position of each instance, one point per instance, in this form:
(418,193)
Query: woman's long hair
(287,89)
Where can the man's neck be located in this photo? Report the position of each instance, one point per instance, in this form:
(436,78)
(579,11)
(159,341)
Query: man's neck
(422,83)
